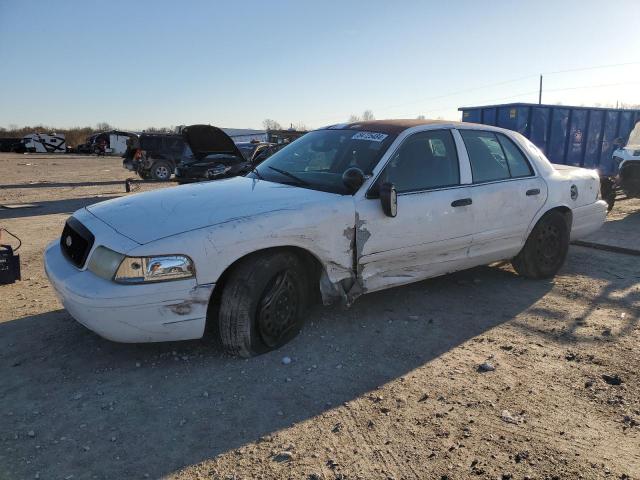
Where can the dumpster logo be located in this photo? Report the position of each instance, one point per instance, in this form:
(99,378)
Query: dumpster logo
(577,137)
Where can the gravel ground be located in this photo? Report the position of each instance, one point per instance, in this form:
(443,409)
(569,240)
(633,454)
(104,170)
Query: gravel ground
(480,374)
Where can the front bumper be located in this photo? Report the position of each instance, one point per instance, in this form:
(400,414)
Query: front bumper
(129,165)
(158,312)
(588,218)
(629,177)
(191,174)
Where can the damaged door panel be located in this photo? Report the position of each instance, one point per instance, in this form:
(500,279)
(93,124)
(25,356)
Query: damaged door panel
(433,228)
(428,237)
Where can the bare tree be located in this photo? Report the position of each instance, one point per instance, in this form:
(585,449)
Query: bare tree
(367,115)
(102,126)
(300,127)
(420,117)
(270,124)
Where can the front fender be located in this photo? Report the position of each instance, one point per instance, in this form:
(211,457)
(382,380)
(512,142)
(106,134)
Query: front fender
(323,230)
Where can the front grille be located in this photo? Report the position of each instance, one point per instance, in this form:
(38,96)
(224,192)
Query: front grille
(630,179)
(630,171)
(76,242)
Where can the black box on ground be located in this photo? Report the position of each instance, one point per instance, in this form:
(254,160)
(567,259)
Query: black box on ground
(9,265)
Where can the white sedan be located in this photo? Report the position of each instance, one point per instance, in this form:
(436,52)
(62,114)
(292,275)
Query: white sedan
(345,210)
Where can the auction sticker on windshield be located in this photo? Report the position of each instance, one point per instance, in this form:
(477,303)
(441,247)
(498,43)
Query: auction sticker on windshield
(370,136)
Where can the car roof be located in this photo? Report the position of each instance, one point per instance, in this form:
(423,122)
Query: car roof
(396,126)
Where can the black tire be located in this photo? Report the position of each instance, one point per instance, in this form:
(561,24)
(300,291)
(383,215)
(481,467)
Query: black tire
(161,170)
(608,192)
(611,201)
(262,303)
(545,251)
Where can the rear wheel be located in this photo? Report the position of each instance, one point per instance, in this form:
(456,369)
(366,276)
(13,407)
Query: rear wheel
(546,248)
(262,303)
(608,192)
(161,170)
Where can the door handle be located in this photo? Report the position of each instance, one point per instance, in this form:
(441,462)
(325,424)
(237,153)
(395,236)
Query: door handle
(463,202)
(533,191)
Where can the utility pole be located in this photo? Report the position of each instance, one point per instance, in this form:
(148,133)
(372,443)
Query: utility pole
(540,92)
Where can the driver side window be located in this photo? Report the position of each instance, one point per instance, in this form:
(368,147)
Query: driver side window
(425,161)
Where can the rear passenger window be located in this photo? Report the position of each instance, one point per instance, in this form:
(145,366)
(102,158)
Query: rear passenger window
(518,164)
(494,157)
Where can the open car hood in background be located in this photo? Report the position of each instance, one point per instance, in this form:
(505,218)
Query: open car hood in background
(205,139)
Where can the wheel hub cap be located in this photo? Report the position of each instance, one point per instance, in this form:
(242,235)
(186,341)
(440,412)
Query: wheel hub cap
(162,172)
(277,309)
(548,245)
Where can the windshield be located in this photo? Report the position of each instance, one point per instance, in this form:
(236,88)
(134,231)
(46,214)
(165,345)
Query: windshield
(318,159)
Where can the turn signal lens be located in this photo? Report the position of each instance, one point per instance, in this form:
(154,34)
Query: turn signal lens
(104,262)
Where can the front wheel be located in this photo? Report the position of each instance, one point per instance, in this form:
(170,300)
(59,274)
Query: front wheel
(546,248)
(262,303)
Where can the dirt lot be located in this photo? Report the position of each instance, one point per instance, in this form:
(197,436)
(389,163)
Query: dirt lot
(387,389)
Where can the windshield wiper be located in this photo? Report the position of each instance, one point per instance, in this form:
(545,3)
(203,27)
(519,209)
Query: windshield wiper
(298,180)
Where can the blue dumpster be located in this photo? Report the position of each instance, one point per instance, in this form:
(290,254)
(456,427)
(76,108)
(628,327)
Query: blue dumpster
(579,136)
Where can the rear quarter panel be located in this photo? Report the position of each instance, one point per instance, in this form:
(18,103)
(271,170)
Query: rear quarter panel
(562,181)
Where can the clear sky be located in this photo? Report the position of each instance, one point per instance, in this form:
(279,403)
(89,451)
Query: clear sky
(136,64)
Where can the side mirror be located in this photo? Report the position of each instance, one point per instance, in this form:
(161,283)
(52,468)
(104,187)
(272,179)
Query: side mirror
(389,199)
(353,178)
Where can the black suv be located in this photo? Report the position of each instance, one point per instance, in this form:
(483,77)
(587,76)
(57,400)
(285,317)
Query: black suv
(156,155)
(210,154)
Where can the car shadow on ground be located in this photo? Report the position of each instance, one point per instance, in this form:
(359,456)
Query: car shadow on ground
(619,293)
(49,207)
(112,410)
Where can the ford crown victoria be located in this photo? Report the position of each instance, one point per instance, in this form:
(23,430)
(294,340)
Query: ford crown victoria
(343,211)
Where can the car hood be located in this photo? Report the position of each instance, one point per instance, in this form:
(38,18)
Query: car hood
(206,139)
(150,216)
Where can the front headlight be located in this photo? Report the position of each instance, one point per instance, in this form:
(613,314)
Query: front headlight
(111,265)
(154,269)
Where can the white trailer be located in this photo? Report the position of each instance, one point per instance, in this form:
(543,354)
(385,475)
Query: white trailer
(45,143)
(111,143)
